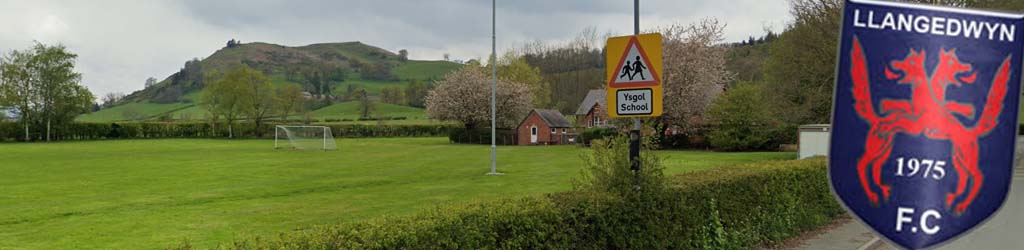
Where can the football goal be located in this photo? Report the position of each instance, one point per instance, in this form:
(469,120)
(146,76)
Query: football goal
(304,137)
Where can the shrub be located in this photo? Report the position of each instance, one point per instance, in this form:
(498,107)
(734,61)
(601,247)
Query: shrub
(597,133)
(693,138)
(738,207)
(481,136)
(741,120)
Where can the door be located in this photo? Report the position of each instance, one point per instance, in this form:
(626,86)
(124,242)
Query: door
(533,134)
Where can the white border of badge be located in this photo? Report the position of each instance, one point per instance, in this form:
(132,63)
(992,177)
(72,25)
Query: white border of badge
(835,85)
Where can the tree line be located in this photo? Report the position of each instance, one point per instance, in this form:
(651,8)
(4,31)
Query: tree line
(798,77)
(41,84)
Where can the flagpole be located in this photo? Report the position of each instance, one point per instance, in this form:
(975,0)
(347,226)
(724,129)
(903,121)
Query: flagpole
(494,89)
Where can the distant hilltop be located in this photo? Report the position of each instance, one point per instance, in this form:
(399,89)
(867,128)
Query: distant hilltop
(322,70)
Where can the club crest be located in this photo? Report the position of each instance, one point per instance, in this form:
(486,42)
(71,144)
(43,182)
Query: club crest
(924,118)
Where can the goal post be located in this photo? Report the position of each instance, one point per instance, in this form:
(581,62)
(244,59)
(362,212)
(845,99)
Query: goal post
(304,137)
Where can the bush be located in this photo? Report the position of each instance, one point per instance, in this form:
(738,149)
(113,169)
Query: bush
(694,138)
(481,136)
(738,207)
(742,121)
(597,133)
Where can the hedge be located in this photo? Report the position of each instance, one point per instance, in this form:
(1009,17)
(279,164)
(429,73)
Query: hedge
(597,133)
(737,207)
(95,131)
(482,136)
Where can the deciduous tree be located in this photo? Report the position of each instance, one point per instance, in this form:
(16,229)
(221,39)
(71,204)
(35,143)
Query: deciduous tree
(289,99)
(16,87)
(416,93)
(694,71)
(366,105)
(112,98)
(223,97)
(515,68)
(403,55)
(52,69)
(464,96)
(257,95)
(392,95)
(150,82)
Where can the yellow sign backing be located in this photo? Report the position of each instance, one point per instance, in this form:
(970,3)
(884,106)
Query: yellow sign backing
(633,69)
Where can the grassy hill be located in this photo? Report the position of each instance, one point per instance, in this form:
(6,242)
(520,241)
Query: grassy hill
(351,110)
(346,64)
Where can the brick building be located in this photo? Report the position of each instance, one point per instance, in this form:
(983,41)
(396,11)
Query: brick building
(543,127)
(592,111)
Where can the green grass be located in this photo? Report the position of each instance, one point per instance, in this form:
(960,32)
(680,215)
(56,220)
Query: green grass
(372,87)
(424,69)
(149,194)
(145,110)
(351,110)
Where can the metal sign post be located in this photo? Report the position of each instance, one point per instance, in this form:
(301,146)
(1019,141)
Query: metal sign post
(634,135)
(634,90)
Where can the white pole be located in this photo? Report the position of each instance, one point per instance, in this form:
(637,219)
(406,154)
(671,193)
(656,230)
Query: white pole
(494,88)
(275,137)
(325,139)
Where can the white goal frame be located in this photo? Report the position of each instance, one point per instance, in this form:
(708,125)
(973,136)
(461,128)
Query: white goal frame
(326,131)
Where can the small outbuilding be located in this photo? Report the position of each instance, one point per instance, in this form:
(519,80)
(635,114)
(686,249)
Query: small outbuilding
(543,127)
(814,140)
(591,112)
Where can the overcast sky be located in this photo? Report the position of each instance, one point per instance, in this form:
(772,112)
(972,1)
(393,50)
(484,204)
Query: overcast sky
(121,43)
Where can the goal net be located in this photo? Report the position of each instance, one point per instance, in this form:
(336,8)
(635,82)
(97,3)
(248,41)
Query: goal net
(304,137)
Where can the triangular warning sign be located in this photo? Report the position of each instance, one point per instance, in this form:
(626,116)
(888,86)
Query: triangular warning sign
(634,68)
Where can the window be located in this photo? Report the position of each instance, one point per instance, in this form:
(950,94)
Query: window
(597,120)
(563,130)
(533,131)
(552,131)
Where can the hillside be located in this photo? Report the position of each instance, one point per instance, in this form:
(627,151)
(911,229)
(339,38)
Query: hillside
(324,69)
(746,61)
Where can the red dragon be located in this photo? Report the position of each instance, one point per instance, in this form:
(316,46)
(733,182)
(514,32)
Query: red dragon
(928,114)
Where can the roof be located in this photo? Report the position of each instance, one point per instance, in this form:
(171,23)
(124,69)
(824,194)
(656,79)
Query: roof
(552,117)
(594,96)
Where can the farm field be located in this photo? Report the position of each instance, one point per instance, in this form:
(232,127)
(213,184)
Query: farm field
(150,194)
(351,110)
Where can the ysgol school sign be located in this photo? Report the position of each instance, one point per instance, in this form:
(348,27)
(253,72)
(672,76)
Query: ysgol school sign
(634,76)
(924,118)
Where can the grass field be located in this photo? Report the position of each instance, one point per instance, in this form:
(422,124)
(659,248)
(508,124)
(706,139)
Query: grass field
(148,194)
(143,110)
(350,110)
(425,69)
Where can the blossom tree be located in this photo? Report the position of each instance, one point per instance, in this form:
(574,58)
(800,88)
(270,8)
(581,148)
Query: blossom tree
(464,96)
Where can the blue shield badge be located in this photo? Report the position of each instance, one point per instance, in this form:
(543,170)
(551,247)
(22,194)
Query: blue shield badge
(924,118)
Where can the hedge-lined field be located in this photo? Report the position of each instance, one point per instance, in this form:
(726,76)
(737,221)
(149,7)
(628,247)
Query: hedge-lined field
(154,130)
(739,207)
(151,194)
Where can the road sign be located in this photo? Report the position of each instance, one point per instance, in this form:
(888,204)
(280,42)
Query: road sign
(634,76)
(924,118)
